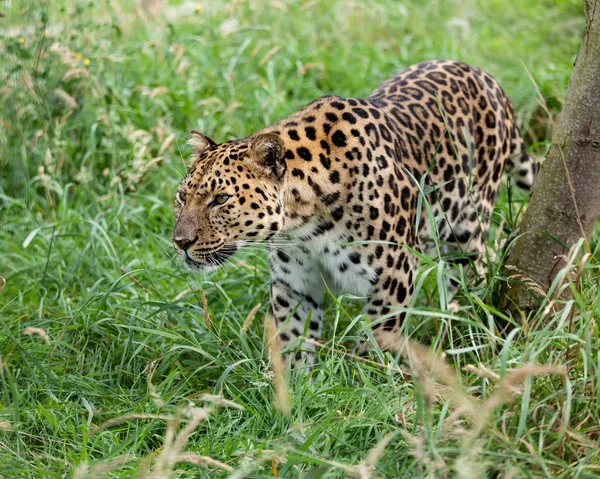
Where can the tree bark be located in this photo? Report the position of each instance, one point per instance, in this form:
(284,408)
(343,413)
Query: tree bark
(565,200)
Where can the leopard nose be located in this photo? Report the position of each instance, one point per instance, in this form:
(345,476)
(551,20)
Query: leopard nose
(185,243)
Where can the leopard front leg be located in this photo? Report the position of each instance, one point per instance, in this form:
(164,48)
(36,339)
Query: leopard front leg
(296,297)
(392,290)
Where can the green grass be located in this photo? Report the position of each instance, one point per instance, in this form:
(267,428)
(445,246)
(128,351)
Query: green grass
(90,155)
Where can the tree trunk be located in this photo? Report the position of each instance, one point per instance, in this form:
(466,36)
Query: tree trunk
(565,200)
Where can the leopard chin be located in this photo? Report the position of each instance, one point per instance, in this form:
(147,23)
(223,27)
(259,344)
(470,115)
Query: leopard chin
(210,261)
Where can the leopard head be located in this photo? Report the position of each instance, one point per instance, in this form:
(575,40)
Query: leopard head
(231,196)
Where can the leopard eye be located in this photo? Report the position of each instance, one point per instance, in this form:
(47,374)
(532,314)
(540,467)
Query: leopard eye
(221,199)
(181,197)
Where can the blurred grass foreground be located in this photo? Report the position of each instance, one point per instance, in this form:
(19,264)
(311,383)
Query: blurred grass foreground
(116,362)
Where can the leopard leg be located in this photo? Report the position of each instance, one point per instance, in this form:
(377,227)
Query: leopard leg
(467,244)
(296,297)
(392,290)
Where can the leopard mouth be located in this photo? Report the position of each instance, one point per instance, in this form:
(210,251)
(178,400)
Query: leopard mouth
(208,261)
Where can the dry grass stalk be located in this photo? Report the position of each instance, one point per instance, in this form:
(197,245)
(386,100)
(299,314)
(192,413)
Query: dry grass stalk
(149,10)
(166,144)
(68,99)
(130,277)
(469,464)
(309,5)
(241,264)
(251,461)
(144,468)
(183,293)
(365,468)
(282,396)
(39,331)
(309,66)
(202,461)
(269,55)
(507,390)
(418,452)
(207,316)
(376,453)
(427,364)
(581,269)
(158,401)
(84,471)
(528,282)
(430,368)
(220,401)
(363,471)
(565,273)
(6,426)
(172,451)
(250,318)
(127,417)
(76,73)
(481,371)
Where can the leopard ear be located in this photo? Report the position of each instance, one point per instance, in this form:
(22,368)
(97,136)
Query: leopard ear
(200,142)
(268,151)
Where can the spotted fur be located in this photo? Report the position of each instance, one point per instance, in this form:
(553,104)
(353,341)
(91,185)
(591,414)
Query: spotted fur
(334,190)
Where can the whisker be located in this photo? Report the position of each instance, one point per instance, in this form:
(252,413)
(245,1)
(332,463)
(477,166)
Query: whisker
(279,243)
(253,254)
(228,262)
(249,244)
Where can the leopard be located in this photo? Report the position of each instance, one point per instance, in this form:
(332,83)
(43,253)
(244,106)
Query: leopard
(347,193)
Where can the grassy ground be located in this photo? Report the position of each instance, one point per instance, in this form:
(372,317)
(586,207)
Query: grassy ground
(98,321)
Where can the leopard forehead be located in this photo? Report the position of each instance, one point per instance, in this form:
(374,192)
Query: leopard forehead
(221,165)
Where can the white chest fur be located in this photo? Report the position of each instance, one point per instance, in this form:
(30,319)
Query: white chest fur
(343,266)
